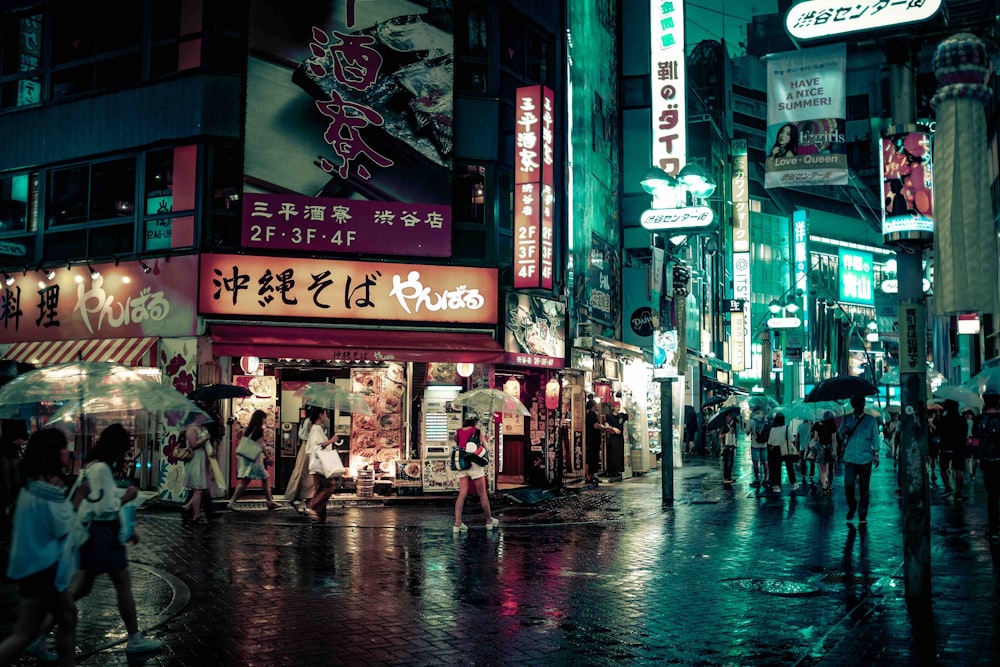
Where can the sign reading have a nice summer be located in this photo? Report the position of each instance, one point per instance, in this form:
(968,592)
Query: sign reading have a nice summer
(303,288)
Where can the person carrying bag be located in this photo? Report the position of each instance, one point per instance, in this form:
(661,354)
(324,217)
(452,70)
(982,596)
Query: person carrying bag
(324,465)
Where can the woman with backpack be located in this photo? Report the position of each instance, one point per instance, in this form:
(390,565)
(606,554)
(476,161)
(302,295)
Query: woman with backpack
(475,475)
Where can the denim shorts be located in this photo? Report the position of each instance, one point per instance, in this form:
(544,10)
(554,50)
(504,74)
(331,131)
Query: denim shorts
(758,454)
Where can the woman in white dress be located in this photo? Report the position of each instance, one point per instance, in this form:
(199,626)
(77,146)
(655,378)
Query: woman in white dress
(196,470)
(300,484)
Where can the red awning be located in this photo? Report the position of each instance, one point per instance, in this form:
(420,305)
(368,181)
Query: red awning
(235,340)
(124,351)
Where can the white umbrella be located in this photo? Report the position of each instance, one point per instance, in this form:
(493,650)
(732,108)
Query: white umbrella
(331,396)
(962,395)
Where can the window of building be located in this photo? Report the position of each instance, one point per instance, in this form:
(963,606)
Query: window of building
(20,61)
(18,194)
(91,192)
(169,198)
(468,186)
(95,46)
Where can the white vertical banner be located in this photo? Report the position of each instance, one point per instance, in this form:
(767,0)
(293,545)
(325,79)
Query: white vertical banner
(741,290)
(806,117)
(668,75)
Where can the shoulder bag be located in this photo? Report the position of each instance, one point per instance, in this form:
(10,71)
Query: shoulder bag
(248,449)
(326,462)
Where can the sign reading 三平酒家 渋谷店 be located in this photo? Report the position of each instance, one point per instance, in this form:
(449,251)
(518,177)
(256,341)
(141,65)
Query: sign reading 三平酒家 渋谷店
(669,84)
(123,301)
(533,188)
(299,287)
(325,225)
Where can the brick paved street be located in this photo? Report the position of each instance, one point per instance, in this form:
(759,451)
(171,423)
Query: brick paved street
(599,577)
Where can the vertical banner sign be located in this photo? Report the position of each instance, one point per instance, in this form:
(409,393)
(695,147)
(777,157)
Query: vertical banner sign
(741,196)
(668,75)
(806,118)
(857,282)
(533,178)
(737,323)
(913,338)
(907,185)
(800,253)
(741,290)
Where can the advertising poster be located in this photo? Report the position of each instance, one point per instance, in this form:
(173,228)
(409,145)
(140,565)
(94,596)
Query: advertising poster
(535,331)
(349,127)
(806,118)
(907,184)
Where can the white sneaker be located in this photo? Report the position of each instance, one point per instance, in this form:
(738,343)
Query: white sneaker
(460,528)
(39,649)
(795,487)
(776,489)
(138,643)
(493,524)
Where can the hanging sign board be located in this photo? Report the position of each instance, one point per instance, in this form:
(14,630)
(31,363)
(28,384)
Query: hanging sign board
(822,19)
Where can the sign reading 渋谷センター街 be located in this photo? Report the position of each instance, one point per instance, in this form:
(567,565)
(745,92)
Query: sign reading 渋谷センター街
(324,225)
(122,301)
(806,118)
(292,287)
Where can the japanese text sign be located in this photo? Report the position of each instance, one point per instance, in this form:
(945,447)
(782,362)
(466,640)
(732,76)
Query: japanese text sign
(857,277)
(669,82)
(741,196)
(819,19)
(741,290)
(322,225)
(122,302)
(298,288)
(533,214)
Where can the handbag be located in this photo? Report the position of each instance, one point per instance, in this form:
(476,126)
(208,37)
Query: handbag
(326,462)
(183,453)
(248,449)
(475,451)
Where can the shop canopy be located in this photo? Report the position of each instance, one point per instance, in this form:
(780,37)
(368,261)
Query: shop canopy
(122,351)
(280,342)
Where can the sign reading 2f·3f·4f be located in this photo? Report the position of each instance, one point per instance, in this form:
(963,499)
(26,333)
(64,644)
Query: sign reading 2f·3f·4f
(319,288)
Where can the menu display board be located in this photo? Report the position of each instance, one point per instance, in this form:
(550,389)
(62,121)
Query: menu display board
(377,439)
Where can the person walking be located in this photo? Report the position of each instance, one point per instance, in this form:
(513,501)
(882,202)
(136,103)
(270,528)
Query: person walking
(807,454)
(103,552)
(779,452)
(824,433)
(986,432)
(248,470)
(300,488)
(971,446)
(728,435)
(474,476)
(316,507)
(758,450)
(42,551)
(859,433)
(196,470)
(13,437)
(951,450)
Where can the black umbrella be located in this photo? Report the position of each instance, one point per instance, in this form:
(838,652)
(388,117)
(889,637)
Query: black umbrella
(715,400)
(719,420)
(215,392)
(841,388)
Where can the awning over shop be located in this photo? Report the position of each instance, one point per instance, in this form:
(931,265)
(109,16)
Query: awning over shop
(124,351)
(351,345)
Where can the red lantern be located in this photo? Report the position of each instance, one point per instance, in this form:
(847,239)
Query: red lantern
(249,364)
(552,394)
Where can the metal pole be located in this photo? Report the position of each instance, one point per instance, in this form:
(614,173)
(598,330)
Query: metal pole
(667,441)
(912,366)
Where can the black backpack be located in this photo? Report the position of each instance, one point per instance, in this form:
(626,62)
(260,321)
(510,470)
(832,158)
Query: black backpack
(987,430)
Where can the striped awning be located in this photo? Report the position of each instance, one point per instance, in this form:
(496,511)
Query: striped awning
(124,351)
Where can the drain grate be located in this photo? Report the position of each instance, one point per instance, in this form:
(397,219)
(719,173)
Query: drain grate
(852,579)
(772,586)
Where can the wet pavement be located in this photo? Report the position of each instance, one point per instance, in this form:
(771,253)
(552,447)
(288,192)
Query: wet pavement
(598,577)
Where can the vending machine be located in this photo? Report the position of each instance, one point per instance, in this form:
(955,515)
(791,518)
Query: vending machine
(438,423)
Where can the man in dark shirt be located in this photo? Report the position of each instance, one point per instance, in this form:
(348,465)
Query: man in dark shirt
(595,429)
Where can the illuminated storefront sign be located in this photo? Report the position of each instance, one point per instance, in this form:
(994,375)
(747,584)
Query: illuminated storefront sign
(856,277)
(319,288)
(324,225)
(689,217)
(669,81)
(741,196)
(821,19)
(800,253)
(123,301)
(741,291)
(533,178)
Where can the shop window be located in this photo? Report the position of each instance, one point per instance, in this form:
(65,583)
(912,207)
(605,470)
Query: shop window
(17,198)
(169,191)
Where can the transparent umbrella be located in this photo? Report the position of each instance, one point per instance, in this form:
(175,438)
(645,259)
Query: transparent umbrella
(487,401)
(962,395)
(148,395)
(816,411)
(331,396)
(90,386)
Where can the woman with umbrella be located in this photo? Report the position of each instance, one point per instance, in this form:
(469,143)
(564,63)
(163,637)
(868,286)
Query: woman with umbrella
(196,472)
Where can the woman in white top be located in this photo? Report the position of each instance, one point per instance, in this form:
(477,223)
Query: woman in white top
(316,507)
(103,553)
(300,484)
(779,451)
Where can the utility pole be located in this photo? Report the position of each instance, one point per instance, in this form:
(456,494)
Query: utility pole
(912,353)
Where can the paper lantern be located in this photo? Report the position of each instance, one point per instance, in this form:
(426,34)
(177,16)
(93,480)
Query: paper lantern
(512,388)
(552,394)
(465,370)
(249,364)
